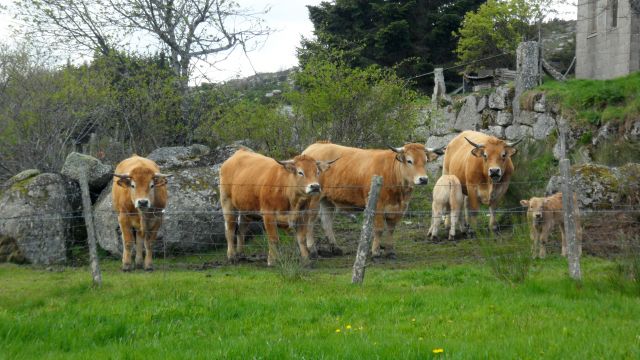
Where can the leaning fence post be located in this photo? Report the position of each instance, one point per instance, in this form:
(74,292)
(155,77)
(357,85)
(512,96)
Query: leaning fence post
(573,251)
(91,233)
(367,229)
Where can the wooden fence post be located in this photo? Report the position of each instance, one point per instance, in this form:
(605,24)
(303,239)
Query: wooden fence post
(367,229)
(573,250)
(91,232)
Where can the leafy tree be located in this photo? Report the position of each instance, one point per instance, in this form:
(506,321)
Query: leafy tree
(358,107)
(496,28)
(411,35)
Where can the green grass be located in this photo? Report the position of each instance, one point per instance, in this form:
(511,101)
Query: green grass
(251,312)
(596,102)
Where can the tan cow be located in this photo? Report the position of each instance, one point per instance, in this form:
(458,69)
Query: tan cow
(483,165)
(139,196)
(545,214)
(447,200)
(279,191)
(346,185)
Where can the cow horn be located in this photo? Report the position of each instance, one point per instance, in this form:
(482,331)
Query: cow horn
(399,150)
(122,176)
(439,151)
(477,146)
(512,144)
(285,162)
(334,160)
(163,175)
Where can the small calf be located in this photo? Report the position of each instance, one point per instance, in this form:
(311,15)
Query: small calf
(544,214)
(447,200)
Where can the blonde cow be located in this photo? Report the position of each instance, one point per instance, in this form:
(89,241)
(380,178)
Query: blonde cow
(448,200)
(544,215)
(139,196)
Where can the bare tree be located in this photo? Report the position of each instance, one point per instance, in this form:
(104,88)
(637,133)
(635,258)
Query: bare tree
(186,29)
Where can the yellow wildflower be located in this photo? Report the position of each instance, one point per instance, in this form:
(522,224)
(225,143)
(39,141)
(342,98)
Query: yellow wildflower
(348,326)
(337,330)
(438,350)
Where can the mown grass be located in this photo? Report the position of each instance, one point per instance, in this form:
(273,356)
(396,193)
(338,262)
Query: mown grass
(251,312)
(596,102)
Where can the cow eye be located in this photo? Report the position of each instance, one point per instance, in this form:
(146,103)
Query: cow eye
(133,186)
(152,185)
(300,173)
(410,162)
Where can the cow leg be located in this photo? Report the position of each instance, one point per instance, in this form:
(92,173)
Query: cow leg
(271,227)
(139,248)
(544,236)
(533,234)
(230,222)
(301,234)
(127,241)
(243,226)
(391,222)
(327,214)
(454,214)
(564,241)
(149,239)
(378,229)
(436,218)
(492,217)
(473,206)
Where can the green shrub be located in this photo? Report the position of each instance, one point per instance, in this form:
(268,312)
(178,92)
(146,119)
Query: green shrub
(616,153)
(507,254)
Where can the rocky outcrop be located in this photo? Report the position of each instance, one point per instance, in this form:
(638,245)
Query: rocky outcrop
(42,213)
(600,187)
(192,220)
(98,174)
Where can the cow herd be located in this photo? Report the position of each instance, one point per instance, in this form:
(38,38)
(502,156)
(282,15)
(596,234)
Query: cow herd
(326,178)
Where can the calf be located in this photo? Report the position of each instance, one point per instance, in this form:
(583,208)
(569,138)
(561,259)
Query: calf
(447,200)
(278,191)
(139,196)
(545,214)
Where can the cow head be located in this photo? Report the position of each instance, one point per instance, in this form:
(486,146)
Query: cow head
(142,183)
(307,172)
(495,155)
(535,207)
(414,158)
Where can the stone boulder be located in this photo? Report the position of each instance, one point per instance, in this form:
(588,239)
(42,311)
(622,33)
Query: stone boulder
(179,156)
(434,168)
(526,118)
(543,127)
(193,221)
(517,132)
(42,212)
(98,174)
(468,117)
(600,187)
(501,98)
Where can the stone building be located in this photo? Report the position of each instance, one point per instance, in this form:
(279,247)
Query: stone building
(607,38)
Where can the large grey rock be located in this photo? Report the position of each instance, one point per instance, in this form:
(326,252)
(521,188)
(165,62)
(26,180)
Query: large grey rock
(599,187)
(527,70)
(483,103)
(468,118)
(179,156)
(192,221)
(634,132)
(435,168)
(495,130)
(605,132)
(516,132)
(42,212)
(540,105)
(501,98)
(98,174)
(526,118)
(544,126)
(504,118)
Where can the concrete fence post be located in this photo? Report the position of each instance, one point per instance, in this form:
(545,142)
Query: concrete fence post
(367,230)
(573,247)
(527,71)
(91,232)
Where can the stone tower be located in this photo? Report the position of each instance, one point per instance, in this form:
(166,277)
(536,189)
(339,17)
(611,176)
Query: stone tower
(607,38)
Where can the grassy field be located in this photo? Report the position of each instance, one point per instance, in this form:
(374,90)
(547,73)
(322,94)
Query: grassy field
(251,311)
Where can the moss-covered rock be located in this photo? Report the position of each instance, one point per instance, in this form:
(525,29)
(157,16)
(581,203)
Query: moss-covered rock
(42,213)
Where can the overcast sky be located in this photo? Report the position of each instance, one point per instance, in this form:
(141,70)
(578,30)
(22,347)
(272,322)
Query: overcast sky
(290,19)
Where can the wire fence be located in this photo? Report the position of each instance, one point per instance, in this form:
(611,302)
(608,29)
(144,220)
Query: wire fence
(195,239)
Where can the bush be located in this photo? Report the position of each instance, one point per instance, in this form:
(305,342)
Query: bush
(357,107)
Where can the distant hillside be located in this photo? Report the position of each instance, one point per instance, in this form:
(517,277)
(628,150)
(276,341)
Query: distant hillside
(559,43)
(262,84)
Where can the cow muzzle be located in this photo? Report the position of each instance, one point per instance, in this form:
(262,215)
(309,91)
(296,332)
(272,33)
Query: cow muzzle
(538,218)
(421,180)
(142,204)
(495,174)
(313,188)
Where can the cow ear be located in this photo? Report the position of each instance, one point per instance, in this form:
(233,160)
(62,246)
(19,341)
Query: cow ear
(400,157)
(477,152)
(432,156)
(325,165)
(160,179)
(123,180)
(288,165)
(510,150)
(524,203)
